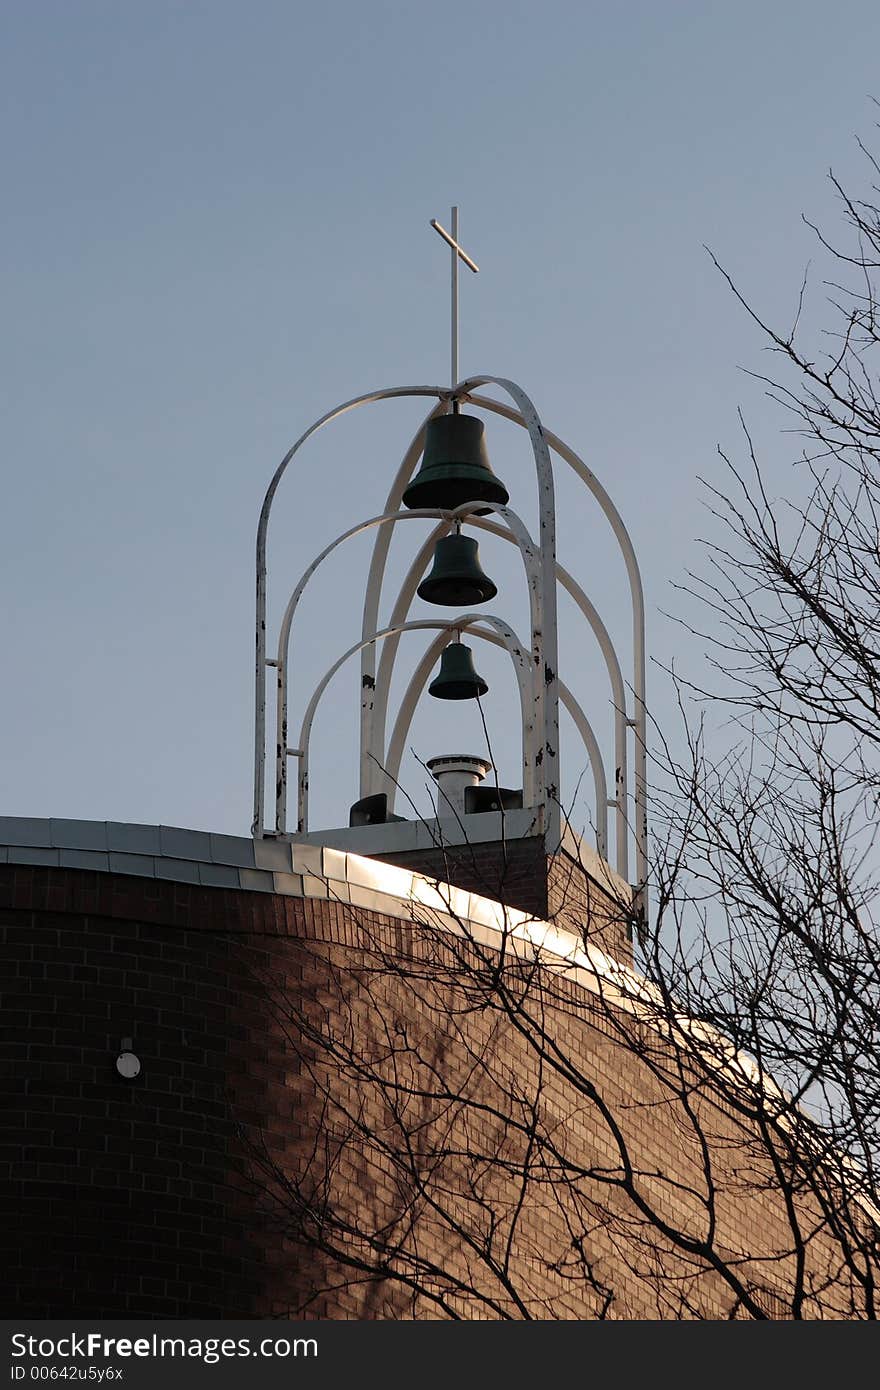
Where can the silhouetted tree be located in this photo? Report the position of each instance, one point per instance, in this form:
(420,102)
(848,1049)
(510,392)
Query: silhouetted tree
(501,1134)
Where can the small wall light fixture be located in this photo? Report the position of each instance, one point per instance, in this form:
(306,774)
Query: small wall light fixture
(128,1064)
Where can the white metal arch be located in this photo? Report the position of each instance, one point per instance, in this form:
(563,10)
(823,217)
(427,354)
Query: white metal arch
(378,561)
(640,713)
(376,779)
(281,662)
(391,764)
(518,534)
(369,398)
(407,708)
(508,636)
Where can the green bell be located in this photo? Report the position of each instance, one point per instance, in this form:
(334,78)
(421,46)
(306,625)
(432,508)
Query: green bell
(457,579)
(457,679)
(455,467)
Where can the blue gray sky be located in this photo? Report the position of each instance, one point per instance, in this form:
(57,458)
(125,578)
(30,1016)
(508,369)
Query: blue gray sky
(216,227)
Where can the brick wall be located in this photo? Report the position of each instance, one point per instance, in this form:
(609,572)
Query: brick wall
(120,1197)
(520,873)
(315,1076)
(458,1152)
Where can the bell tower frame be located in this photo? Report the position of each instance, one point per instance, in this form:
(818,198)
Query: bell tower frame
(535,661)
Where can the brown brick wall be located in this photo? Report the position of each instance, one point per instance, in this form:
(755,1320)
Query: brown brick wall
(428,1098)
(521,874)
(289,1048)
(116,1195)
(514,872)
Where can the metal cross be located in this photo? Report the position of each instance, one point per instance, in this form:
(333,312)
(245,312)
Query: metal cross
(457,254)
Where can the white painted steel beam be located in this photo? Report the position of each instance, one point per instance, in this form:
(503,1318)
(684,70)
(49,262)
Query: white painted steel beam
(509,638)
(407,708)
(370,397)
